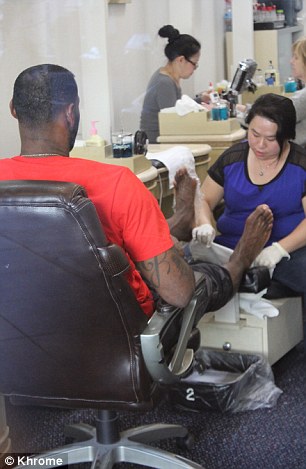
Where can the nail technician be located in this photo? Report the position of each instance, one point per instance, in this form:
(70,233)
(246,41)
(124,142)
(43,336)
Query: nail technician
(183,54)
(269,169)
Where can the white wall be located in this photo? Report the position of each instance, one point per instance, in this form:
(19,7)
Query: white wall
(137,50)
(112,48)
(70,33)
(243,37)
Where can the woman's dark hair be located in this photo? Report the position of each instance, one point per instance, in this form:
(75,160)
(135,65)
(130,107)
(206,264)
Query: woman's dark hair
(277,109)
(178,44)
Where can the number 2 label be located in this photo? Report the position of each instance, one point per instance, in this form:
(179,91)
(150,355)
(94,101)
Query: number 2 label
(190,394)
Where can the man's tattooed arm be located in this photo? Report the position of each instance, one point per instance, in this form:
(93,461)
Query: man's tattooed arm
(170,276)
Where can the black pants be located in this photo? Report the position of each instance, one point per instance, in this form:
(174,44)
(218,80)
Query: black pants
(217,287)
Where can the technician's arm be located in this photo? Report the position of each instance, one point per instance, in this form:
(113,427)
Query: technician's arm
(211,195)
(170,276)
(297,238)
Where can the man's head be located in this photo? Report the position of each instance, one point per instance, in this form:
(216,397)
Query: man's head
(44,92)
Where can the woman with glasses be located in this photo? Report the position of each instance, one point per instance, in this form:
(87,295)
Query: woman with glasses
(183,54)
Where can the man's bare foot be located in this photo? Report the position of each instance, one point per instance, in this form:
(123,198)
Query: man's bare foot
(182,221)
(257,231)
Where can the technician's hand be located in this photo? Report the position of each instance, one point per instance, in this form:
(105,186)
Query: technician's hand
(207,106)
(204,234)
(241,108)
(271,255)
(205,98)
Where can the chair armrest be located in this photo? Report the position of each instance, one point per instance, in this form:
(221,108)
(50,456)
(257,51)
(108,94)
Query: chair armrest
(169,364)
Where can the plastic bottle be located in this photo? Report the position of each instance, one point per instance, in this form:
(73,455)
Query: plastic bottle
(290,85)
(215,112)
(259,79)
(210,87)
(280,15)
(271,75)
(274,16)
(95,140)
(223,112)
(256,12)
(261,14)
(228,15)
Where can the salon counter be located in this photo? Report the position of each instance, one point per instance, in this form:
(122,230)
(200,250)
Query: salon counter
(218,143)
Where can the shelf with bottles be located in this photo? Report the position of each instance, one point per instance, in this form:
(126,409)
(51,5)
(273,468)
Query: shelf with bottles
(273,44)
(267,16)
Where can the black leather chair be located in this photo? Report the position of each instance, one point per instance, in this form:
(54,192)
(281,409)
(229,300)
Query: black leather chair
(68,314)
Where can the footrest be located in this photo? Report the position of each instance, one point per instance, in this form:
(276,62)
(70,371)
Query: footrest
(255,280)
(277,290)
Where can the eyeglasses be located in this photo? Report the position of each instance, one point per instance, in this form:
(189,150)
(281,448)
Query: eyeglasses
(195,64)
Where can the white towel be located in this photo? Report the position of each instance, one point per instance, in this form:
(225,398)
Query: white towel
(184,106)
(175,158)
(252,303)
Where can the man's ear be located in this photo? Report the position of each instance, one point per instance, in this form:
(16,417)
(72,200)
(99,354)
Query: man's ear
(70,114)
(12,109)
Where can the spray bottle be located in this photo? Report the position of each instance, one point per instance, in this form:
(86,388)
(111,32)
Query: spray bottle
(95,140)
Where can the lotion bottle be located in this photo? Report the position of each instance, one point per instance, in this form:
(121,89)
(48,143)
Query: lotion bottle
(95,140)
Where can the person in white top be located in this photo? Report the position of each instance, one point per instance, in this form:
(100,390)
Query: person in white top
(298,67)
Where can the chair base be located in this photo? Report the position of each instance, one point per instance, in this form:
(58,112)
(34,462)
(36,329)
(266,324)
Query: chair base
(130,447)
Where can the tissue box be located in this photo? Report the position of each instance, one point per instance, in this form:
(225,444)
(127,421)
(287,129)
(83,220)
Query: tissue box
(91,153)
(136,163)
(195,123)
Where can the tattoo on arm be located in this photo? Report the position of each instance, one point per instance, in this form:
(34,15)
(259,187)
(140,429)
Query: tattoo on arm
(167,261)
(181,265)
(152,268)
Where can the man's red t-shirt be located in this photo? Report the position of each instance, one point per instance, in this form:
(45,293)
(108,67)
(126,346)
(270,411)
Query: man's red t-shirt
(129,213)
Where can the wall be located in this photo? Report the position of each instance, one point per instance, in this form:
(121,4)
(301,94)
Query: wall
(65,32)
(112,48)
(137,50)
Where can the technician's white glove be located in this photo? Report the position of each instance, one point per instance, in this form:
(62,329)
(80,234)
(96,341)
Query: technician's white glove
(271,255)
(204,234)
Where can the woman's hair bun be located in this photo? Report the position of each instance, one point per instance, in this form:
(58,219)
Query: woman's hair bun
(170,32)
